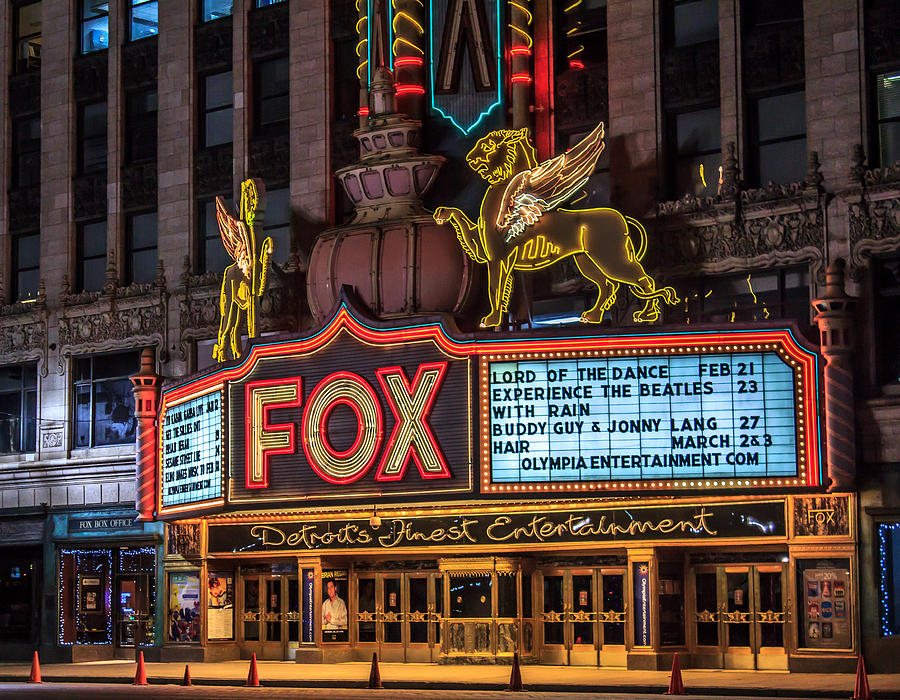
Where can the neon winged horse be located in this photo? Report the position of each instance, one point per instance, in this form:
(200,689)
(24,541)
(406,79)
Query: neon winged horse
(245,280)
(520,226)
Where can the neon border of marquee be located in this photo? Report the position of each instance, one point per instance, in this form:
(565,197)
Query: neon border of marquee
(804,362)
(778,341)
(183,397)
(431,42)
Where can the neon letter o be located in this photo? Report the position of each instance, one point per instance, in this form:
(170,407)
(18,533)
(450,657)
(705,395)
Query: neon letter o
(332,465)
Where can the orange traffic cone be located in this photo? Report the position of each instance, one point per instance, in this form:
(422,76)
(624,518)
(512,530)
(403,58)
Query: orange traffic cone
(35,670)
(140,675)
(375,674)
(862,681)
(515,675)
(187,675)
(253,676)
(676,687)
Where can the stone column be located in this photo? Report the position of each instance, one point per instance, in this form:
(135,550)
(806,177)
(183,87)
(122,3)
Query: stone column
(835,315)
(145,385)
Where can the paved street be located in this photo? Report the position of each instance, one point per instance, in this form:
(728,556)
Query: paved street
(348,680)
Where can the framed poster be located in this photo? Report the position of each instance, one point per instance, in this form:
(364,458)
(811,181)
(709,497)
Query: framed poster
(826,622)
(184,607)
(334,607)
(220,606)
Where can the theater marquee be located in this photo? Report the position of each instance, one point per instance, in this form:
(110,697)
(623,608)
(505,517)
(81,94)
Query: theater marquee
(360,410)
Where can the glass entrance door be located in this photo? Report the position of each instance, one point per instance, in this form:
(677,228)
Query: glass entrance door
(134,624)
(271,616)
(583,617)
(739,616)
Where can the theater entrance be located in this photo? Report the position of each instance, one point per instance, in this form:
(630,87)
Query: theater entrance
(740,618)
(270,616)
(583,617)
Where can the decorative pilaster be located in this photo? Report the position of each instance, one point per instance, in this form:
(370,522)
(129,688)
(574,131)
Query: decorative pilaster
(145,396)
(835,316)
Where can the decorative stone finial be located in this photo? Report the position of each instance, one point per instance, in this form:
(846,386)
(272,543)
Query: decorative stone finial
(814,178)
(857,164)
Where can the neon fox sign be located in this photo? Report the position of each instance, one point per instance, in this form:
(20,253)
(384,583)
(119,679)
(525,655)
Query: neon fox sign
(410,439)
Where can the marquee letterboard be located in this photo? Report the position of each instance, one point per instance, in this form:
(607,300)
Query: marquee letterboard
(191,451)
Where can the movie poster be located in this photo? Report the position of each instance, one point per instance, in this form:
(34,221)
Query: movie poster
(220,606)
(827,623)
(335,625)
(184,607)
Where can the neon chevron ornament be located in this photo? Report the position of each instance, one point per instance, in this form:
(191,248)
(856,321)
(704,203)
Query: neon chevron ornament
(465,36)
(522,227)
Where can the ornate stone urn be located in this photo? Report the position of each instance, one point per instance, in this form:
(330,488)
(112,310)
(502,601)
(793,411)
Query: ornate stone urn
(392,252)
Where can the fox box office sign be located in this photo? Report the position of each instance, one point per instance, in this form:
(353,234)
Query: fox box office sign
(414,411)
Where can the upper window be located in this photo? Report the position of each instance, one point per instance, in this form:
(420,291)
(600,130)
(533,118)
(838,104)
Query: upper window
(214,9)
(94,25)
(886,282)
(91,255)
(28,36)
(26,152)
(26,266)
(140,125)
(779,143)
(272,100)
(698,151)
(213,256)
(277,222)
(266,3)
(218,109)
(141,258)
(693,22)
(92,137)
(18,408)
(104,402)
(887,86)
(143,19)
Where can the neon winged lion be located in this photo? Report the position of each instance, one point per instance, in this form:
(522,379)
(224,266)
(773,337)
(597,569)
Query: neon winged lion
(520,226)
(245,280)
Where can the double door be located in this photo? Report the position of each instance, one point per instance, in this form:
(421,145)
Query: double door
(740,617)
(397,615)
(583,615)
(270,624)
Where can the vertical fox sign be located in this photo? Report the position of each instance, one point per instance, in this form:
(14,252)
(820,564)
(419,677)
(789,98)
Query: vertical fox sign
(465,38)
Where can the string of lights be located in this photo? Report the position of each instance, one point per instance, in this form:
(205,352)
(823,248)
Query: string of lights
(886,532)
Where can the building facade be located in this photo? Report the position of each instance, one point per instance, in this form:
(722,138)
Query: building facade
(757,144)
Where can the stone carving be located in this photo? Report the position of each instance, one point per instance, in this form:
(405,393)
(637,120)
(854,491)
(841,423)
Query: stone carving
(23,331)
(24,94)
(213,170)
(874,229)
(212,45)
(691,74)
(51,439)
(89,195)
(268,30)
(24,208)
(91,76)
(139,63)
(116,318)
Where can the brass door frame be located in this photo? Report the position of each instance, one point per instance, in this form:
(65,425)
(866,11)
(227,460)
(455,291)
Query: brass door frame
(742,656)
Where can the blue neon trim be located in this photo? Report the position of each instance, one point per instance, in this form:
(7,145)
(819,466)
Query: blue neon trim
(885,603)
(431,73)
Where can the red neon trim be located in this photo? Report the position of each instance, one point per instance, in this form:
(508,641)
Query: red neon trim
(268,427)
(408,61)
(411,450)
(576,65)
(520,51)
(363,112)
(323,424)
(521,78)
(410,90)
(379,428)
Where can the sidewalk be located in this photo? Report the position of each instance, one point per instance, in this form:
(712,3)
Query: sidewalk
(435,677)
